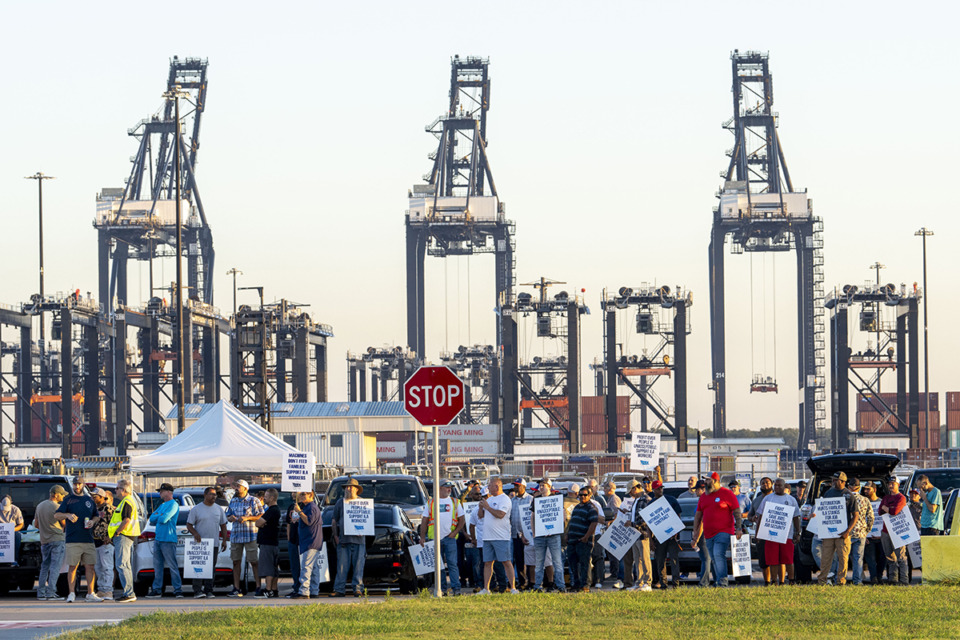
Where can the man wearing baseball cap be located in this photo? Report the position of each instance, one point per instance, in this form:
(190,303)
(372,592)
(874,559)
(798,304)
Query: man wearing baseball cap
(547,548)
(838,546)
(79,515)
(521,502)
(893,503)
(52,547)
(668,549)
(243,512)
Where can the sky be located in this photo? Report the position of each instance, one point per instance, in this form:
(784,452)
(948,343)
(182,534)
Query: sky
(604,137)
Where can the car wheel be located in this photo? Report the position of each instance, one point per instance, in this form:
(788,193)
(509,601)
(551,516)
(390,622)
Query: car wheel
(804,574)
(141,587)
(743,579)
(26,583)
(63,586)
(407,587)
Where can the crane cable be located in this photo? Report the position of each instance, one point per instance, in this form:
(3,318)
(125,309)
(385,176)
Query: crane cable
(774,260)
(753,366)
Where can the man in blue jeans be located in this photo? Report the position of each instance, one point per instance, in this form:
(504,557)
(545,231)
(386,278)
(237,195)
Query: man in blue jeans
(718,517)
(451,524)
(351,550)
(165,543)
(52,544)
(542,544)
(583,523)
(310,534)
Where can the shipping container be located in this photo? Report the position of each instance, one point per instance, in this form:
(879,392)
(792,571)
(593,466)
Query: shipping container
(954,439)
(953,400)
(865,403)
(953,420)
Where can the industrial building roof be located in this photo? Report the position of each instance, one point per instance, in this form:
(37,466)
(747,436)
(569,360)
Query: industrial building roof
(281,410)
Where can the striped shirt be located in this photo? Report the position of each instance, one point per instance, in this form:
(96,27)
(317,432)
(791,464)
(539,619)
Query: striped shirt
(239,507)
(581,518)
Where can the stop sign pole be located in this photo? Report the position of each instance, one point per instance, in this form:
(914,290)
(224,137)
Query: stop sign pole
(434,396)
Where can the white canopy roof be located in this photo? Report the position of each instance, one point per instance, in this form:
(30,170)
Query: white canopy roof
(222,441)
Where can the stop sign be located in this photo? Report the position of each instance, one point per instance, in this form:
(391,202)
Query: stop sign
(433,395)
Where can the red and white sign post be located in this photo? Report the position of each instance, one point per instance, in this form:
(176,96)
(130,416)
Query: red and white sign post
(434,396)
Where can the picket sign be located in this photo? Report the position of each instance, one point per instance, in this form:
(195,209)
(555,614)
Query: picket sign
(198,559)
(619,538)
(422,556)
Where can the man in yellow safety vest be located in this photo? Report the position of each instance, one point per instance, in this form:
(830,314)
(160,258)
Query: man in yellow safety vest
(451,524)
(124,529)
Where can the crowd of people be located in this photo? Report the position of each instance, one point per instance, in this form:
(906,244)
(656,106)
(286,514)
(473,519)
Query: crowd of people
(488,538)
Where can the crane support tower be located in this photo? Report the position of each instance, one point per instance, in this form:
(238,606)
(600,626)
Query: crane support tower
(760,211)
(549,384)
(668,359)
(899,351)
(475,366)
(457,210)
(389,369)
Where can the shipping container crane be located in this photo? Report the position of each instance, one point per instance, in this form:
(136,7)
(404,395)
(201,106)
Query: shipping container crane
(760,211)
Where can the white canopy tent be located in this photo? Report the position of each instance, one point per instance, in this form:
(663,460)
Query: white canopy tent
(222,441)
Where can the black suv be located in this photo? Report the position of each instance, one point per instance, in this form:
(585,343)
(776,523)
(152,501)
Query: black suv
(407,492)
(872,467)
(27,491)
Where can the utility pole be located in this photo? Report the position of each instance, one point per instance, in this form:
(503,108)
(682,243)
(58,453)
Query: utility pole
(175,94)
(235,272)
(876,266)
(924,232)
(40,177)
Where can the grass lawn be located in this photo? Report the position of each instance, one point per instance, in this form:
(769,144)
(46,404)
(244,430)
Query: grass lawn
(769,613)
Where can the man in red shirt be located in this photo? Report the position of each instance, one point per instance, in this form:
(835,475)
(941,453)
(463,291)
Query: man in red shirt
(893,503)
(718,517)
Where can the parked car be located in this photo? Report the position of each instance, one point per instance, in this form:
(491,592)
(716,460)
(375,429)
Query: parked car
(428,485)
(388,562)
(872,467)
(690,559)
(151,499)
(27,491)
(143,570)
(407,492)
(944,478)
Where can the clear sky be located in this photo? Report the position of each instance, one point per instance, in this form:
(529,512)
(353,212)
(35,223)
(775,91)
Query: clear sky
(605,141)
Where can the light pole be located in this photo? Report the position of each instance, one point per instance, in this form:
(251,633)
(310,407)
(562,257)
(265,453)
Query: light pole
(39,177)
(924,232)
(234,272)
(175,94)
(876,266)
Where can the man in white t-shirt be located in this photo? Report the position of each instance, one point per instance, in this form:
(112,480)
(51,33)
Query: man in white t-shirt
(495,510)
(779,556)
(452,522)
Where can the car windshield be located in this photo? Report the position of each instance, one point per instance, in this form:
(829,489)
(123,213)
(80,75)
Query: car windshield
(688,508)
(27,495)
(401,491)
(944,479)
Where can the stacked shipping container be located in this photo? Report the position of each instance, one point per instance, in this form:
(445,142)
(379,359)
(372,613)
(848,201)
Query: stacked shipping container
(872,417)
(953,419)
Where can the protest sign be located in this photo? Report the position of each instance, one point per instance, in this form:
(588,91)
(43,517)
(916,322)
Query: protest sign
(323,565)
(741,564)
(548,515)
(423,558)
(916,554)
(525,516)
(7,539)
(297,471)
(832,514)
(901,528)
(618,538)
(877,521)
(198,558)
(358,517)
(776,524)
(470,511)
(663,521)
(644,451)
